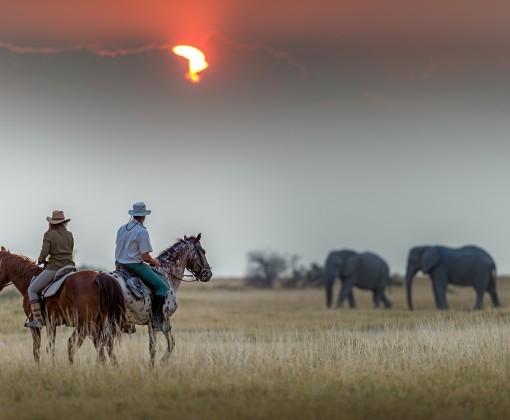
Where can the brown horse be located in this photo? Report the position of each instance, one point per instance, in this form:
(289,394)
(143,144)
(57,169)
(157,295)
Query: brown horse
(88,300)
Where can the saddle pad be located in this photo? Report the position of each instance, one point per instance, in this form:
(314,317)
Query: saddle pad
(59,278)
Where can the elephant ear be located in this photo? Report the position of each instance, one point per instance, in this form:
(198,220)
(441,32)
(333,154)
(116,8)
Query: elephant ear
(429,259)
(352,263)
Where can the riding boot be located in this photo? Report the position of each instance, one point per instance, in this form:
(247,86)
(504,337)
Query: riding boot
(37,319)
(157,312)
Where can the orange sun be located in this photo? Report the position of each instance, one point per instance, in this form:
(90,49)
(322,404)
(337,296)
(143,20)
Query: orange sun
(196,60)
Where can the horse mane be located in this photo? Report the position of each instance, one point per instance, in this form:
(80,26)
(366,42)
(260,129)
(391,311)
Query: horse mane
(19,264)
(169,252)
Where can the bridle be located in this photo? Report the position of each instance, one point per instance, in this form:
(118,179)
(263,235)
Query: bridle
(200,274)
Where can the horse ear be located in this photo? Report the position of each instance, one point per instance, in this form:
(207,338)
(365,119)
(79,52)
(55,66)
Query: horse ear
(199,236)
(185,238)
(3,249)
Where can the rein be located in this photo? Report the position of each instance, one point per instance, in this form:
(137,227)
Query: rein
(175,277)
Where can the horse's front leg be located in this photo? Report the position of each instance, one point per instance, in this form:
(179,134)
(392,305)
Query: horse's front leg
(36,344)
(75,342)
(152,345)
(51,332)
(170,343)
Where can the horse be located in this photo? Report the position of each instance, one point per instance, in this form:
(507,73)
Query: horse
(186,253)
(89,300)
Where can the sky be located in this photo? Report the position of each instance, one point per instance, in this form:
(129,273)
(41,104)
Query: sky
(318,125)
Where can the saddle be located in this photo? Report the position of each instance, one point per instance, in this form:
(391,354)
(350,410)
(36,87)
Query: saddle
(57,281)
(133,283)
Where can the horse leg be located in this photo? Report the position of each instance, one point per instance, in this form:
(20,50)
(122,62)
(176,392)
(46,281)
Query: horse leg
(170,344)
(36,344)
(109,348)
(75,342)
(152,345)
(51,332)
(97,337)
(99,345)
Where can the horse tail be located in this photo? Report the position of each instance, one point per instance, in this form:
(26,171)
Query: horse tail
(111,303)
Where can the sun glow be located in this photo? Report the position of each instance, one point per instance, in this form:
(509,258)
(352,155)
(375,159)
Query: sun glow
(196,60)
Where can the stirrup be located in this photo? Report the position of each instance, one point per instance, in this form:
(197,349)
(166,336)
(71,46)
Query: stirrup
(35,323)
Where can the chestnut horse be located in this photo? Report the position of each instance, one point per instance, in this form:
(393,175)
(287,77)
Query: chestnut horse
(88,300)
(185,254)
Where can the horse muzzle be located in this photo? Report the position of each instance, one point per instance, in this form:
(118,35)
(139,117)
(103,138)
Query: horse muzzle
(205,275)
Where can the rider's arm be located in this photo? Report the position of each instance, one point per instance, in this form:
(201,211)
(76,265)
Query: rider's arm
(146,257)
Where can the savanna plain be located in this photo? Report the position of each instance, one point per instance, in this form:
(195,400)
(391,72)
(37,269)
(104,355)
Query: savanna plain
(275,354)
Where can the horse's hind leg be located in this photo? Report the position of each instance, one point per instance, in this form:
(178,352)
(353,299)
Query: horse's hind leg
(99,343)
(97,337)
(109,348)
(36,344)
(75,342)
(170,344)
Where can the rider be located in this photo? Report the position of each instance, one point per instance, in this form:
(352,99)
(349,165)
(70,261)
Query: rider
(133,248)
(58,244)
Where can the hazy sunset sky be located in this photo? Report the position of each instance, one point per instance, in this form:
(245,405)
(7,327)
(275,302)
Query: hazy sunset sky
(318,125)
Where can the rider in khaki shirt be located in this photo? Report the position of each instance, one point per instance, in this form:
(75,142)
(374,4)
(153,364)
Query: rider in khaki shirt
(58,244)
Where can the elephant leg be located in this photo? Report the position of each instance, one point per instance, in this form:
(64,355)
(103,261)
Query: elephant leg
(440,285)
(376,298)
(346,292)
(479,297)
(491,288)
(350,298)
(386,302)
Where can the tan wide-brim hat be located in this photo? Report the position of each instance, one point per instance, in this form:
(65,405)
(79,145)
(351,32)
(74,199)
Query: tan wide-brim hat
(57,217)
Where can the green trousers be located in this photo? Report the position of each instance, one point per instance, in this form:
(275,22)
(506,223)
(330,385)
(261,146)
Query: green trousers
(150,278)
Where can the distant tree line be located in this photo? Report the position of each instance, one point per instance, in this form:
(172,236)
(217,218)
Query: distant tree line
(268,269)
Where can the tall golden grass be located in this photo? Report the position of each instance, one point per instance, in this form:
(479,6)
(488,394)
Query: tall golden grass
(275,354)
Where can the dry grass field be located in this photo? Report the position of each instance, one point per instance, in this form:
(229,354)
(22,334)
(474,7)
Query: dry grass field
(276,354)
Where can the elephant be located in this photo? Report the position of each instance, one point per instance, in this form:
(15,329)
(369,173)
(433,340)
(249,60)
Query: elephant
(364,270)
(465,266)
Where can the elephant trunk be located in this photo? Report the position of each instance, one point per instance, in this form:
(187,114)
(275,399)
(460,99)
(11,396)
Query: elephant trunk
(409,282)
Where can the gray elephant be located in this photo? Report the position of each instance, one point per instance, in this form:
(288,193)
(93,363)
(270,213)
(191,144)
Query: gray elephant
(364,270)
(466,266)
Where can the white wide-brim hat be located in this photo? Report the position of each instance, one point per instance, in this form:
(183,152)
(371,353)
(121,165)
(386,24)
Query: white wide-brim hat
(139,209)
(57,217)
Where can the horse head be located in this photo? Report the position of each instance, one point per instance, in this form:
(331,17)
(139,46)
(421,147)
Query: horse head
(197,263)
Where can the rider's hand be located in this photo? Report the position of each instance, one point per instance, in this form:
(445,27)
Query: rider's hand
(155,262)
